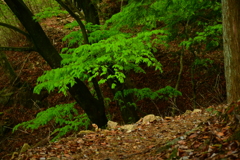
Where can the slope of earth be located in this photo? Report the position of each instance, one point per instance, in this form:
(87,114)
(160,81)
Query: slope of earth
(193,135)
(209,89)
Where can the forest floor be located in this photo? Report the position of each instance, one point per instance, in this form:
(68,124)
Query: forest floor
(193,135)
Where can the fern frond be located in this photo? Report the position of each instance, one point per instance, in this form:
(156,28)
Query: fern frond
(65,115)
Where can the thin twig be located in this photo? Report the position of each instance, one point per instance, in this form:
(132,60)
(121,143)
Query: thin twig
(17,129)
(21,68)
(156,107)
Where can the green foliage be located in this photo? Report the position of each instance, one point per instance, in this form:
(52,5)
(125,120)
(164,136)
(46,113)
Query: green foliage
(74,37)
(96,33)
(140,94)
(211,36)
(213,111)
(126,42)
(63,115)
(122,52)
(92,27)
(202,62)
(174,15)
(135,13)
(171,12)
(48,12)
(71,25)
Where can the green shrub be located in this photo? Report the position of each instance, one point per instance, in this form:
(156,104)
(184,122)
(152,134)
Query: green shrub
(65,115)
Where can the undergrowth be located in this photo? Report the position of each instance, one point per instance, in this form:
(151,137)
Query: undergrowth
(114,52)
(65,116)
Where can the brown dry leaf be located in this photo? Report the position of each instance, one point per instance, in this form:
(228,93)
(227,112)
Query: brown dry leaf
(181,142)
(219,139)
(151,146)
(80,141)
(58,146)
(178,117)
(196,145)
(224,129)
(180,150)
(205,137)
(103,143)
(193,136)
(67,155)
(220,134)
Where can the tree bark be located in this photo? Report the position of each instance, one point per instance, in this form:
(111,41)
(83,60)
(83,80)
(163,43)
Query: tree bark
(231,43)
(128,111)
(40,40)
(90,12)
(92,107)
(86,41)
(7,67)
(77,18)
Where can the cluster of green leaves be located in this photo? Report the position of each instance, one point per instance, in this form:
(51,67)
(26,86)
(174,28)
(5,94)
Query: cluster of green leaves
(213,111)
(211,36)
(122,52)
(48,12)
(64,115)
(203,15)
(148,13)
(163,93)
(74,37)
(96,33)
(202,62)
(146,93)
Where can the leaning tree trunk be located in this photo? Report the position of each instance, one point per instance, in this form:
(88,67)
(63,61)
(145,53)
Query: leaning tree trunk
(70,7)
(231,42)
(92,107)
(128,111)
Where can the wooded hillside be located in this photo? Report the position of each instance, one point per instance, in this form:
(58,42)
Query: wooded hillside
(74,65)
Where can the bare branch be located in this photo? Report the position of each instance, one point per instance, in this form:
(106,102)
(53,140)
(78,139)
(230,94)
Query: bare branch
(15,28)
(19,49)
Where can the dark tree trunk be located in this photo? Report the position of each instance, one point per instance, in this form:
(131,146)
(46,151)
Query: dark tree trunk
(231,42)
(90,12)
(86,41)
(40,40)
(77,18)
(128,111)
(94,109)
